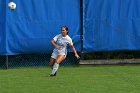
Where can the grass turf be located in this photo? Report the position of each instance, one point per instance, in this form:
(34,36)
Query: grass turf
(114,79)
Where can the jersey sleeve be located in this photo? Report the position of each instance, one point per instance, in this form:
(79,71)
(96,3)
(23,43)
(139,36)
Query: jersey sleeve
(55,38)
(70,41)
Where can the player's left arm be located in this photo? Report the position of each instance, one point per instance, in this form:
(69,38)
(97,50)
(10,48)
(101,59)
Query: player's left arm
(74,51)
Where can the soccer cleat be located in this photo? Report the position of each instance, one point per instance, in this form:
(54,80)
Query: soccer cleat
(53,75)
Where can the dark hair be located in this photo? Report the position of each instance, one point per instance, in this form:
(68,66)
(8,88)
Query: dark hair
(67,29)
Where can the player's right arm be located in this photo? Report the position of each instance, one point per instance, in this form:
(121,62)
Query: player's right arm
(54,40)
(54,44)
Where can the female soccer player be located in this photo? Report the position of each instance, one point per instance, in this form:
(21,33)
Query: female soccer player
(60,43)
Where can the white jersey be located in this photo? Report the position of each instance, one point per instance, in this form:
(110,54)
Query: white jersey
(62,42)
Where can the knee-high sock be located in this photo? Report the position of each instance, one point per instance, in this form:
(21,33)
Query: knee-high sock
(55,68)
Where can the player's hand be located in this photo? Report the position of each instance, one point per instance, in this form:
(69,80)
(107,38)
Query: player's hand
(56,46)
(77,56)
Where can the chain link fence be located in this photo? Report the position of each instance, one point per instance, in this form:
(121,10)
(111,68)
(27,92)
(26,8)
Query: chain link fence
(42,60)
(33,60)
(2,62)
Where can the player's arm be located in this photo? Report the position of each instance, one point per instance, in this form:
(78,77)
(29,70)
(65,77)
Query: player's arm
(74,51)
(54,44)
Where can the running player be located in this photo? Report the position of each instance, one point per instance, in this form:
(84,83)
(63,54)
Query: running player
(60,43)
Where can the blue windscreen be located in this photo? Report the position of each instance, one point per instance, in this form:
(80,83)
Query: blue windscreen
(108,25)
(32,25)
(111,25)
(2,27)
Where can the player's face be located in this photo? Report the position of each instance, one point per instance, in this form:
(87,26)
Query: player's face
(64,31)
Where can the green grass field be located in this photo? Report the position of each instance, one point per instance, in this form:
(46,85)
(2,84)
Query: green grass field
(111,79)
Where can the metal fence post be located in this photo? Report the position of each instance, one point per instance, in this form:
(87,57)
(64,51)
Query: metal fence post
(7,61)
(82,24)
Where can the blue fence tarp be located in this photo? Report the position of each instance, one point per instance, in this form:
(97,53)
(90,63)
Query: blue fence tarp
(32,25)
(111,25)
(108,25)
(2,27)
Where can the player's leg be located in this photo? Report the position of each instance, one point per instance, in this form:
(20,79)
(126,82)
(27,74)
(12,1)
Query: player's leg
(53,57)
(52,61)
(58,60)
